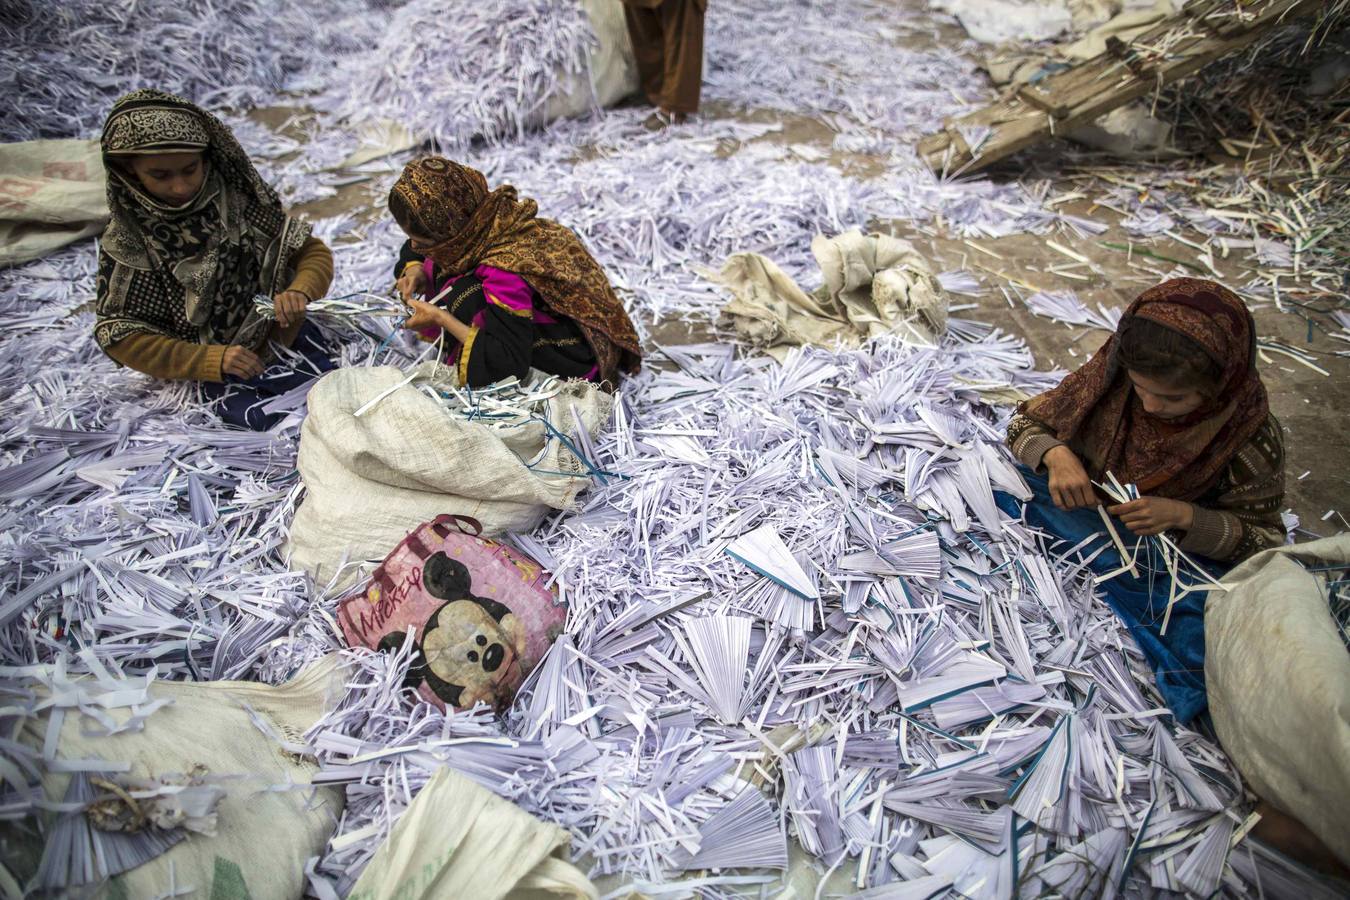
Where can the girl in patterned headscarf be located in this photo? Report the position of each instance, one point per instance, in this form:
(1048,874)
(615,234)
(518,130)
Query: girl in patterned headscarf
(1173,405)
(195,235)
(515,291)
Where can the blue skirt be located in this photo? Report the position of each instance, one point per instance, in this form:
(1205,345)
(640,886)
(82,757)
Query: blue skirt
(1177,657)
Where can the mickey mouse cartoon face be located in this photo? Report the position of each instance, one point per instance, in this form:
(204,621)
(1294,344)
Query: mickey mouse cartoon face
(470,647)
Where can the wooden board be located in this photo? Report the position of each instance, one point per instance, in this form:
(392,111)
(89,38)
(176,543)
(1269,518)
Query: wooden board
(1203,31)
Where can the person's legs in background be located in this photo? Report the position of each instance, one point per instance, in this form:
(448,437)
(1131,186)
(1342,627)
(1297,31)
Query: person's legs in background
(682,24)
(646,35)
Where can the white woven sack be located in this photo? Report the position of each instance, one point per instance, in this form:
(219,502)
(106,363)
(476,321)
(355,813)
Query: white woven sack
(371,479)
(610,73)
(263,837)
(1278,678)
(52,193)
(485,848)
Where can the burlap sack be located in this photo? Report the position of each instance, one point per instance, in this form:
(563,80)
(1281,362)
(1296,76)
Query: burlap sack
(263,836)
(1278,677)
(371,479)
(51,194)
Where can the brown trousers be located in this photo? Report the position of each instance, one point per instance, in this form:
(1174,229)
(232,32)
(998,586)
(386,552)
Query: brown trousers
(667,41)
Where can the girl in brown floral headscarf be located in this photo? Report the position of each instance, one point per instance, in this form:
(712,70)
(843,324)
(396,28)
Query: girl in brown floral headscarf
(1173,404)
(513,291)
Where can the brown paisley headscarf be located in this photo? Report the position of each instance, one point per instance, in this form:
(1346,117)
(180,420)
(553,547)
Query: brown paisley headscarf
(462,225)
(188,272)
(1095,409)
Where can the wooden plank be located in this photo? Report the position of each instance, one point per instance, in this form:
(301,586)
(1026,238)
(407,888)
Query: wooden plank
(1203,31)
(1042,101)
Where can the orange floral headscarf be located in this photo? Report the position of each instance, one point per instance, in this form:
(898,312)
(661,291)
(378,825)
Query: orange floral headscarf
(462,225)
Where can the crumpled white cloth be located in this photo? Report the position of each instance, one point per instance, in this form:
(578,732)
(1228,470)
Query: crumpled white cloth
(873,285)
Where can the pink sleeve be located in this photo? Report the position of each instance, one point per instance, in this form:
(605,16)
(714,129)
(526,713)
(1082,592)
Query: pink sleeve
(432,333)
(507,290)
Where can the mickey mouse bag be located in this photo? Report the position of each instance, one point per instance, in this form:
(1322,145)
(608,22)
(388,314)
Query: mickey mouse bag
(480,612)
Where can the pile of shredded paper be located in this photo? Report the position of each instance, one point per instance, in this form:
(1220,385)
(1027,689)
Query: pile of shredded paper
(796,613)
(797,577)
(401,61)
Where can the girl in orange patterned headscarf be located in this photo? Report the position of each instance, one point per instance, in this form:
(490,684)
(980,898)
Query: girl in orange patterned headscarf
(516,291)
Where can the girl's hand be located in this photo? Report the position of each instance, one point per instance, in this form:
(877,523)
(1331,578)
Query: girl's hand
(1070,486)
(241,362)
(425,315)
(413,283)
(1154,515)
(289,307)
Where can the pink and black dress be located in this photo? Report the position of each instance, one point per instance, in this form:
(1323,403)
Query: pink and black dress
(510,332)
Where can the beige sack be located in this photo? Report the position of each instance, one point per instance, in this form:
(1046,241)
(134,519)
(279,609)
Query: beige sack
(263,838)
(52,193)
(458,839)
(1278,677)
(371,479)
(874,285)
(610,73)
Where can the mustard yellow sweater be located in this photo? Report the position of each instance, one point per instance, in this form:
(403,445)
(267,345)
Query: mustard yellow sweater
(164,357)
